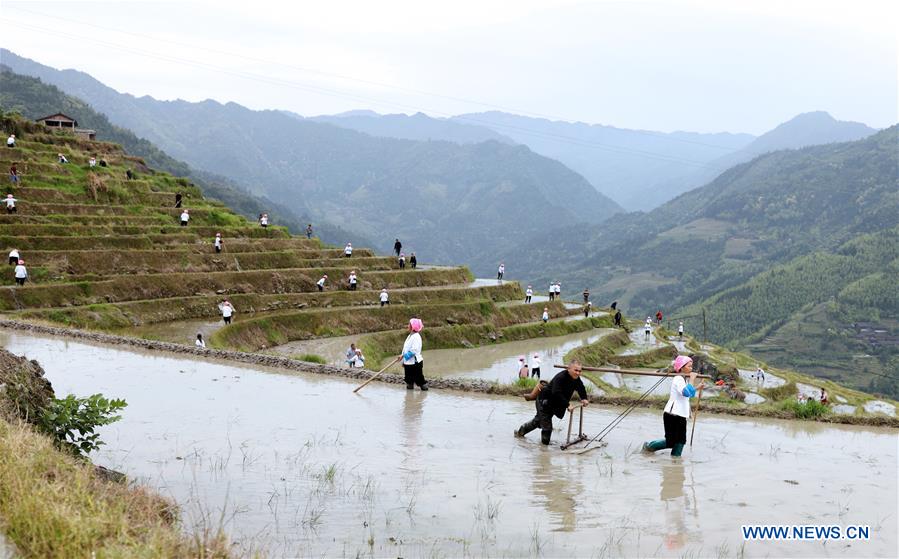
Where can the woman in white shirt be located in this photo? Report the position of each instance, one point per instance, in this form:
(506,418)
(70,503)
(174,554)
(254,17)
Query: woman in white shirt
(385,297)
(348,250)
(353,281)
(227,311)
(218,242)
(11,204)
(677,410)
(13,257)
(413,362)
(535,366)
(185,217)
(21,273)
(528,294)
(358,360)
(545,317)
(200,342)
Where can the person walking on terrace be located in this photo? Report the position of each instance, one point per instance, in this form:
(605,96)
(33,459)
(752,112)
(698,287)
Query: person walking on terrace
(500,271)
(680,330)
(61,158)
(309,231)
(552,291)
(413,362)
(11,204)
(586,295)
(185,217)
(179,198)
(200,342)
(384,297)
(227,311)
(677,410)
(14,174)
(587,309)
(545,317)
(528,294)
(352,280)
(397,247)
(659,317)
(554,399)
(11,141)
(348,250)
(618,319)
(21,273)
(413,261)
(558,291)
(535,366)
(92,162)
(14,257)
(647,329)
(321,282)
(402,261)
(263,221)
(218,242)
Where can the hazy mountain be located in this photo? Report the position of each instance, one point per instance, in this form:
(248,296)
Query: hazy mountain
(449,202)
(413,127)
(639,169)
(778,207)
(34,99)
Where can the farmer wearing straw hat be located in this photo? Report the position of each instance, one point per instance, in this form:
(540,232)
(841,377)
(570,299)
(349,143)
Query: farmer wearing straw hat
(413,362)
(677,410)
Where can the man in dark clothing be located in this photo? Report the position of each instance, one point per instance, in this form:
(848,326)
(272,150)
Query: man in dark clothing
(614,305)
(413,261)
(178,198)
(618,318)
(553,400)
(397,247)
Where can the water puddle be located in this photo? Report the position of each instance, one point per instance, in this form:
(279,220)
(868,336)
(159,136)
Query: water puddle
(303,467)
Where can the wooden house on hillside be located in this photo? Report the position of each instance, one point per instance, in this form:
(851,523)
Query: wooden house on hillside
(65,122)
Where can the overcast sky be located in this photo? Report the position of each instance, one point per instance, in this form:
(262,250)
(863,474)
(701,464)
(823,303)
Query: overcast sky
(703,65)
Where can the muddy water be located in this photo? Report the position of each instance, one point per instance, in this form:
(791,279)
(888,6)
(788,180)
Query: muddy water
(500,362)
(304,467)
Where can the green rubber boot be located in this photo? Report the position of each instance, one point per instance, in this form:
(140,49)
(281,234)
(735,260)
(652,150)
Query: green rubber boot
(653,446)
(677,450)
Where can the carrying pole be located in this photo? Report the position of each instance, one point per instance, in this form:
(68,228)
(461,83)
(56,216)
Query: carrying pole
(629,371)
(376,375)
(695,415)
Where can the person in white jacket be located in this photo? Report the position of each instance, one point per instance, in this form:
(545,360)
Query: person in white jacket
(11,204)
(358,360)
(413,362)
(552,291)
(384,297)
(21,273)
(353,281)
(218,242)
(185,217)
(13,257)
(200,342)
(528,294)
(647,329)
(535,366)
(545,316)
(227,311)
(348,250)
(680,330)
(677,410)
(321,282)
(263,221)
(558,290)
(500,271)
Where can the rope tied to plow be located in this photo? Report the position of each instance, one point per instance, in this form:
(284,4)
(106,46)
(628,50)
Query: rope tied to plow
(631,407)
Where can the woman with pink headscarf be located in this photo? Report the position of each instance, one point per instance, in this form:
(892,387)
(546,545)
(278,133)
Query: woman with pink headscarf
(413,362)
(677,410)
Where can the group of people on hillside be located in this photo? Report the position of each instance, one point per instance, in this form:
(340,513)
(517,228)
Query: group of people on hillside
(20,273)
(529,371)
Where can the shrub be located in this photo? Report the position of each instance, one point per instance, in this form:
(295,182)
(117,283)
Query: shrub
(809,409)
(778,393)
(311,358)
(71,421)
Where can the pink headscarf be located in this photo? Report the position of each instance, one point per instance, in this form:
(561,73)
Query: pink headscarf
(416,325)
(680,361)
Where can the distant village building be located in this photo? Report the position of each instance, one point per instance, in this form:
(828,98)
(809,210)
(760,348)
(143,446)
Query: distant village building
(65,122)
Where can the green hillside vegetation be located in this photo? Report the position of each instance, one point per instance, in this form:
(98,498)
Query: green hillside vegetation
(33,99)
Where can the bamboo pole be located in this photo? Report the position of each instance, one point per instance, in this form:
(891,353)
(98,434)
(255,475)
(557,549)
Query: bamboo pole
(629,371)
(695,415)
(376,375)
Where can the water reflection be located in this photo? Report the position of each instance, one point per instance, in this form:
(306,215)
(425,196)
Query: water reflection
(557,488)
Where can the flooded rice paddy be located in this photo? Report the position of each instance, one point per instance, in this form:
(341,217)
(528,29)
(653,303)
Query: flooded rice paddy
(298,465)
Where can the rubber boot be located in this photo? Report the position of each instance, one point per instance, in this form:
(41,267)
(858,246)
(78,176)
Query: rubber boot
(677,450)
(424,387)
(545,436)
(655,445)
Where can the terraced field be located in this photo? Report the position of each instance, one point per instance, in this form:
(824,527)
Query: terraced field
(105,251)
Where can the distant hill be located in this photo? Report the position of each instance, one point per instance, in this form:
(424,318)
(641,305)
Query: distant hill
(34,99)
(639,169)
(413,127)
(449,202)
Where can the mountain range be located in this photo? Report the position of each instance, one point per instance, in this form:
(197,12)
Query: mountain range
(447,201)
